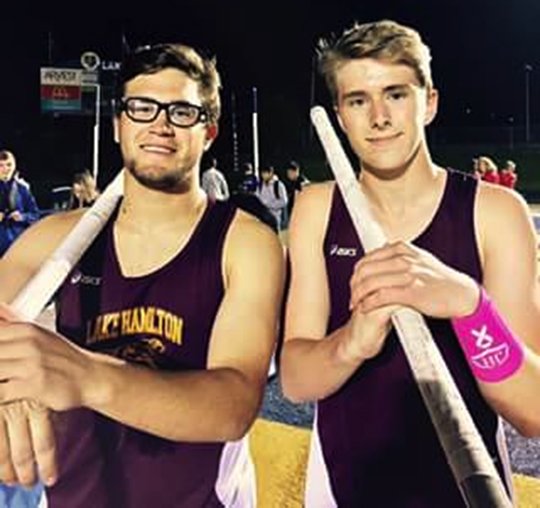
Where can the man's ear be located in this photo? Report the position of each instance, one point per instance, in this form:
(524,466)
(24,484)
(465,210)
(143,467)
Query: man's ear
(340,121)
(116,129)
(432,98)
(211,134)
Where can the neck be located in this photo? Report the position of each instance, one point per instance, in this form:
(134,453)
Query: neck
(393,194)
(152,210)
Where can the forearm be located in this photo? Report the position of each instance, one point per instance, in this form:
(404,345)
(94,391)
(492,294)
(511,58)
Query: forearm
(315,369)
(210,405)
(516,398)
(507,371)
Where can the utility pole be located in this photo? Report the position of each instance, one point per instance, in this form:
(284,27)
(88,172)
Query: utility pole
(528,69)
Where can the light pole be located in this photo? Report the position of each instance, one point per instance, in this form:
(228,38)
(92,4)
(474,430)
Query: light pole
(234,135)
(255,134)
(91,61)
(528,69)
(511,132)
(97,119)
(312,93)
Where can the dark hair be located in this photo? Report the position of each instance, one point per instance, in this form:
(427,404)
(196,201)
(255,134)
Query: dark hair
(293,165)
(152,59)
(5,155)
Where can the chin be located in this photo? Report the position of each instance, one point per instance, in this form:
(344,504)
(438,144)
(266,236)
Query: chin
(386,167)
(159,178)
(385,173)
(391,166)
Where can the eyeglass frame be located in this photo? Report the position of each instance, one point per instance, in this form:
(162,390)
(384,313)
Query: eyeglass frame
(202,113)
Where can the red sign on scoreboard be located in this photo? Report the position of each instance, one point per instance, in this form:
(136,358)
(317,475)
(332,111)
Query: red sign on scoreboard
(60,92)
(60,97)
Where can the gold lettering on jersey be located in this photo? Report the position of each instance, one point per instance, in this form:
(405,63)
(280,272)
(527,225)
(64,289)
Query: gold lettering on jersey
(104,327)
(137,323)
(138,320)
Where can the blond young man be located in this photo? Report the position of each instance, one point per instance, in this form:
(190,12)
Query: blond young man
(373,442)
(165,329)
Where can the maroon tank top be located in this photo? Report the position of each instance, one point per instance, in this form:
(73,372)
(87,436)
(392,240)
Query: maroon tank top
(377,439)
(163,321)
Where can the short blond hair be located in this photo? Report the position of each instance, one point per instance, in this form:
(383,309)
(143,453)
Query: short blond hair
(384,40)
(488,161)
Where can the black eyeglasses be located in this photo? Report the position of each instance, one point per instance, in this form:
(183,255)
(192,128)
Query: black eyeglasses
(179,113)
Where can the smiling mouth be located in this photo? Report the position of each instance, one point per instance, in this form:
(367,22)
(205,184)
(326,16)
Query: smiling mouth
(383,140)
(158,149)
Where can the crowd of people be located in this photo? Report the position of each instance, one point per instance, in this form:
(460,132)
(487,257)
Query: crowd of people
(145,393)
(485,169)
(275,193)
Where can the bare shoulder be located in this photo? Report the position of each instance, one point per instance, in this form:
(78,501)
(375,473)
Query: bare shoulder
(499,205)
(46,234)
(503,218)
(249,237)
(316,193)
(253,266)
(311,211)
(31,249)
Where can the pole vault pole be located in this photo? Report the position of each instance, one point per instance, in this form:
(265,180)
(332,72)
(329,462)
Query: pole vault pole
(35,295)
(469,460)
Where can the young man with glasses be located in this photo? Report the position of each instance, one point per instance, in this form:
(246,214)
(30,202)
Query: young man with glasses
(373,442)
(165,328)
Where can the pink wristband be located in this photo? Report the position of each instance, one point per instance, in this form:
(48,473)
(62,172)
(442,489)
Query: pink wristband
(493,353)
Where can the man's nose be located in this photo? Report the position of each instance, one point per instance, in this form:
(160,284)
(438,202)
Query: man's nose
(380,114)
(162,123)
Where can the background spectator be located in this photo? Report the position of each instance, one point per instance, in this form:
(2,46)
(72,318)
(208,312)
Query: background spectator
(83,190)
(508,176)
(488,169)
(476,168)
(272,193)
(249,182)
(18,208)
(214,183)
(294,182)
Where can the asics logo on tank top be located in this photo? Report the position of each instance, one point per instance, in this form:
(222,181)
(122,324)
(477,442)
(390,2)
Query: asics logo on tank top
(489,357)
(336,250)
(89,280)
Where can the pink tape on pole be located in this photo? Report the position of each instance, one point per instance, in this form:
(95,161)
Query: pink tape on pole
(493,353)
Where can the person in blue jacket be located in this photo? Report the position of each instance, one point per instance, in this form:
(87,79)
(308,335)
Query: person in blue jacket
(18,208)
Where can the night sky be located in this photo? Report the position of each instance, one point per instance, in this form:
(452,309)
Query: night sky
(479,52)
